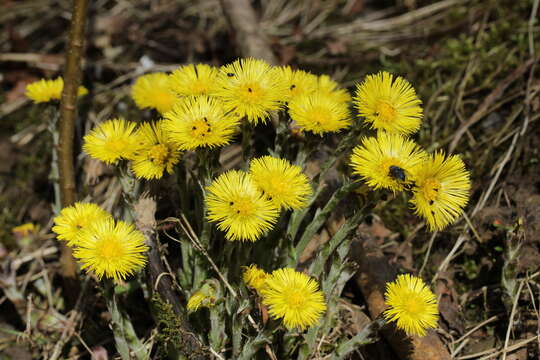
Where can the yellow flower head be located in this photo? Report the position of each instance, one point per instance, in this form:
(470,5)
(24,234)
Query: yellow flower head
(204,297)
(387,161)
(441,191)
(73,219)
(153,91)
(239,207)
(319,113)
(194,80)
(411,304)
(389,104)
(25,230)
(156,153)
(329,88)
(251,88)
(48,90)
(298,82)
(294,297)
(114,249)
(255,277)
(112,140)
(283,183)
(200,121)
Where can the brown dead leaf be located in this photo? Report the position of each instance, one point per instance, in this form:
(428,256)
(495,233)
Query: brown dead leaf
(448,303)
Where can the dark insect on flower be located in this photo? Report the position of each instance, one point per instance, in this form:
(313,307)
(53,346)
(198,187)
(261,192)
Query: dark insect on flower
(397,173)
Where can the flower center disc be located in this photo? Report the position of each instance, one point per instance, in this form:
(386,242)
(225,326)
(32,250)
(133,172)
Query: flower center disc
(385,112)
(109,249)
(295,299)
(431,189)
(158,154)
(200,128)
(116,145)
(412,305)
(251,93)
(243,207)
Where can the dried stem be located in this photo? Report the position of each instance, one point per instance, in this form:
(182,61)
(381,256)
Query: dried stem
(66,130)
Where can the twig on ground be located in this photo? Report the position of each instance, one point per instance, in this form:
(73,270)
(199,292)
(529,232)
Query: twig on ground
(489,100)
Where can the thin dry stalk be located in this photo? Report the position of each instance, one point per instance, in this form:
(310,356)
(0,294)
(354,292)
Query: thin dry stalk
(66,131)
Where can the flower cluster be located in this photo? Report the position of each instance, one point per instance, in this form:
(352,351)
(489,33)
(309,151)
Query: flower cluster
(289,295)
(439,184)
(247,204)
(105,246)
(203,104)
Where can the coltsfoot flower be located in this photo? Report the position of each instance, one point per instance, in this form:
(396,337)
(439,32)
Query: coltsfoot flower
(112,140)
(441,190)
(194,80)
(154,91)
(294,297)
(389,103)
(156,154)
(73,219)
(201,121)
(319,113)
(47,90)
(298,82)
(282,182)
(387,161)
(252,89)
(411,304)
(239,207)
(110,248)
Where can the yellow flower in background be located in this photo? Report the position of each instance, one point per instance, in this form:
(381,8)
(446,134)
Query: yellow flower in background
(73,219)
(389,104)
(282,182)
(239,207)
(255,277)
(441,190)
(48,90)
(329,88)
(204,297)
(112,140)
(319,113)
(294,297)
(200,121)
(195,301)
(154,91)
(387,161)
(252,89)
(156,153)
(411,304)
(25,230)
(298,82)
(111,249)
(194,80)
